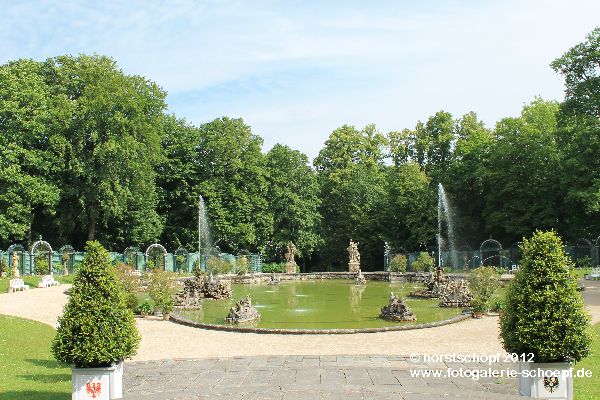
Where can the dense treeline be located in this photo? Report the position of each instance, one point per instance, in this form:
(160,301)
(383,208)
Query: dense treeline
(88,152)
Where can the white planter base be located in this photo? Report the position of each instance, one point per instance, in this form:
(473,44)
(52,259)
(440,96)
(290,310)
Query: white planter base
(98,383)
(546,380)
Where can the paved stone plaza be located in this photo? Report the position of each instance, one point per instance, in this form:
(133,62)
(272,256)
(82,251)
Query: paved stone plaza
(309,377)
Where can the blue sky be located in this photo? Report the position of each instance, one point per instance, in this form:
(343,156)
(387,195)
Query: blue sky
(296,70)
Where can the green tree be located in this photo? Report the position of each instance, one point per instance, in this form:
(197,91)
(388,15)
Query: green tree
(26,164)
(351,178)
(109,146)
(293,199)
(467,180)
(523,170)
(579,136)
(222,161)
(580,67)
(410,210)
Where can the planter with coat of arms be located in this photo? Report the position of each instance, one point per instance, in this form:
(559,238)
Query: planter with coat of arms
(546,380)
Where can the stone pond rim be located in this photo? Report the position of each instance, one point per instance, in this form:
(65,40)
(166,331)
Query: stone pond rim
(180,319)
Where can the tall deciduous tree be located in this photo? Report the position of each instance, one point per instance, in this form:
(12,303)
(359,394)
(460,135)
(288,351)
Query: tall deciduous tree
(522,183)
(293,199)
(26,162)
(352,181)
(410,209)
(579,136)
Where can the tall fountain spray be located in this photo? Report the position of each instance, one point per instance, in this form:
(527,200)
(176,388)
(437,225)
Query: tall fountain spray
(445,218)
(204,237)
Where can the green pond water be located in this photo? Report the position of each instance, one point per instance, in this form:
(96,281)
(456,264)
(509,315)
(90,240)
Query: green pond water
(322,305)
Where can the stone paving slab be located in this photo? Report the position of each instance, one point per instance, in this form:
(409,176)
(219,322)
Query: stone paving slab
(346,377)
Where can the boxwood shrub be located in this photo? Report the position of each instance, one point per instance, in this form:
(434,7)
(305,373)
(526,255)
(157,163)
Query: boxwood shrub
(97,328)
(544,313)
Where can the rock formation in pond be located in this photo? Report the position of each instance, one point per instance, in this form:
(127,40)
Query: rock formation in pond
(455,294)
(189,297)
(216,288)
(360,278)
(242,312)
(397,310)
(435,282)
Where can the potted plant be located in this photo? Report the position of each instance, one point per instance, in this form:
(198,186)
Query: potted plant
(167,307)
(145,309)
(479,307)
(160,289)
(97,330)
(483,283)
(545,323)
(498,306)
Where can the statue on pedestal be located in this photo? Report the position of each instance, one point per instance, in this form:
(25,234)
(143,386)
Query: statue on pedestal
(15,265)
(354,263)
(290,262)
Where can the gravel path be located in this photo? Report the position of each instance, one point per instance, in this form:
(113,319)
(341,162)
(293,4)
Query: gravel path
(164,340)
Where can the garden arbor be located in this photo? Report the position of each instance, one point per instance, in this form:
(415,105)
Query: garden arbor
(161,249)
(32,255)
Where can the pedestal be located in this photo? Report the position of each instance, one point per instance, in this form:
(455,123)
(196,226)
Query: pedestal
(353,267)
(290,268)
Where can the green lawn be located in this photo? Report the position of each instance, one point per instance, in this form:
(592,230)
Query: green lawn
(27,368)
(588,388)
(33,280)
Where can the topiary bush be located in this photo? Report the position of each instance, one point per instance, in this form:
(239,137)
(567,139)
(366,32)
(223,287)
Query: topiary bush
(483,282)
(423,263)
(398,263)
(544,313)
(96,329)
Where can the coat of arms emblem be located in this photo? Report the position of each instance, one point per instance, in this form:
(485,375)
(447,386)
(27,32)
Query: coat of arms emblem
(551,383)
(93,389)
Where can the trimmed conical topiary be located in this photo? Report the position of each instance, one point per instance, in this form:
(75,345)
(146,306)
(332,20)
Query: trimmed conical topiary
(545,314)
(96,329)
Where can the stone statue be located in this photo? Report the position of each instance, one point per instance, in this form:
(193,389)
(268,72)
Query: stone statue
(242,312)
(354,264)
(15,265)
(397,310)
(290,262)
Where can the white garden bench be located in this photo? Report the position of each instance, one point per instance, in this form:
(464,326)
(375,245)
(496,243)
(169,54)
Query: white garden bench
(136,272)
(47,281)
(594,274)
(513,269)
(17,284)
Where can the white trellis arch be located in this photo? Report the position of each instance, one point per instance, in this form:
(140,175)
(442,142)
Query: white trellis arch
(161,248)
(32,255)
(490,246)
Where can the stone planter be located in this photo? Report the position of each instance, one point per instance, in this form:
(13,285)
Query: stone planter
(546,380)
(478,315)
(98,383)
